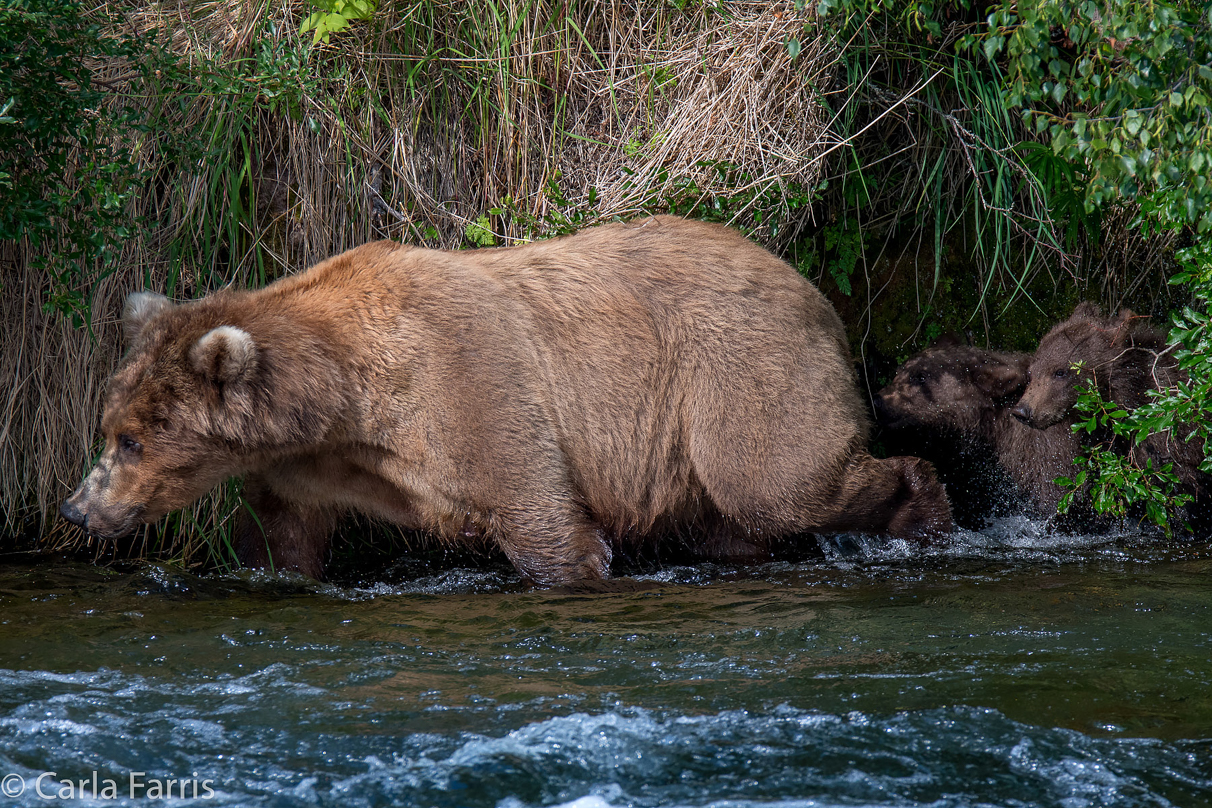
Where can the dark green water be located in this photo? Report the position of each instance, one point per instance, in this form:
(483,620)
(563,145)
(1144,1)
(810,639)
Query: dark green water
(1008,669)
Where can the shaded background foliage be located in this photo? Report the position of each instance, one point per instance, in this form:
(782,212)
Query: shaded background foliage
(933,169)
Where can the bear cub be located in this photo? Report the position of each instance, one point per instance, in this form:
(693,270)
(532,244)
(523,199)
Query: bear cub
(1124,358)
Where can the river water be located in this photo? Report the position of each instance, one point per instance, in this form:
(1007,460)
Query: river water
(1007,668)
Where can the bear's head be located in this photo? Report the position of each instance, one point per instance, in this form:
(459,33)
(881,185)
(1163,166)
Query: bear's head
(951,388)
(186,409)
(1086,348)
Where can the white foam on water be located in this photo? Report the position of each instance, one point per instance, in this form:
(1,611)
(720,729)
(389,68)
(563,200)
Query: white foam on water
(591,801)
(1074,782)
(850,547)
(451,582)
(606,739)
(10,678)
(1016,537)
(55,726)
(608,795)
(1021,532)
(629,756)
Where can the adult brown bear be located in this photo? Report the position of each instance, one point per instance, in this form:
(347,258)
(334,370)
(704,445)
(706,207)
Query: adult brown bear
(555,398)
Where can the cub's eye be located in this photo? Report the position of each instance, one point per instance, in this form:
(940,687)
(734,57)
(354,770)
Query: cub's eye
(917,378)
(129,445)
(1062,373)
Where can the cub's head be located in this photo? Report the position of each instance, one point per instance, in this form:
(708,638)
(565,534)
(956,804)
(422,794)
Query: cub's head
(178,416)
(950,388)
(1086,347)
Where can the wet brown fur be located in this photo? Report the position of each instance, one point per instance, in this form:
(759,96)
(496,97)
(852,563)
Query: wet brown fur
(554,397)
(968,392)
(1125,357)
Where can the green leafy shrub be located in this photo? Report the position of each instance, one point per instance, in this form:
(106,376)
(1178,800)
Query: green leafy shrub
(1121,87)
(479,233)
(1115,484)
(65,161)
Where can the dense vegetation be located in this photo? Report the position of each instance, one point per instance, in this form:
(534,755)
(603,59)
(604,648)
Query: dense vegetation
(975,169)
(64,166)
(1122,93)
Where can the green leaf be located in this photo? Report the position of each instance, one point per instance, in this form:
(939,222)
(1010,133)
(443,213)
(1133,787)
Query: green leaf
(992,46)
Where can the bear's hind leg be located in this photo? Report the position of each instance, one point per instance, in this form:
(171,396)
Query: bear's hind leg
(731,541)
(897,496)
(281,535)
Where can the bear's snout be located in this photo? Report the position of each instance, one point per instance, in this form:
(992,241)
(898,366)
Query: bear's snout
(889,414)
(881,406)
(1023,413)
(93,507)
(72,513)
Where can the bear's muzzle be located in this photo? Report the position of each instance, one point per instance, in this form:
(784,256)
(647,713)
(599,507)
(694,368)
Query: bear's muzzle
(87,508)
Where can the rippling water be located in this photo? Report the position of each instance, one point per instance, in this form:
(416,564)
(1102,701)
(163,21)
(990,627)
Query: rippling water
(1009,668)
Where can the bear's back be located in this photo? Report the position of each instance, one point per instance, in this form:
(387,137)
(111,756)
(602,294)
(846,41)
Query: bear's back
(657,352)
(673,346)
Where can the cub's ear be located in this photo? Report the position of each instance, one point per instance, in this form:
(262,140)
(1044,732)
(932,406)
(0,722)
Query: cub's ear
(1125,325)
(947,340)
(140,309)
(1001,378)
(1088,310)
(225,355)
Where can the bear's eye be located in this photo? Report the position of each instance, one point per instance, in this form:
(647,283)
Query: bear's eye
(1062,373)
(917,378)
(129,445)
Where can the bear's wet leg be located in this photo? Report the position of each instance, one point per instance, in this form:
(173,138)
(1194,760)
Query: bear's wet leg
(281,535)
(897,496)
(723,539)
(553,547)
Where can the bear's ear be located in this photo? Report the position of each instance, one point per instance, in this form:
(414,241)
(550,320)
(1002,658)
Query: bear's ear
(1003,379)
(1122,326)
(1088,310)
(224,355)
(947,340)
(139,310)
